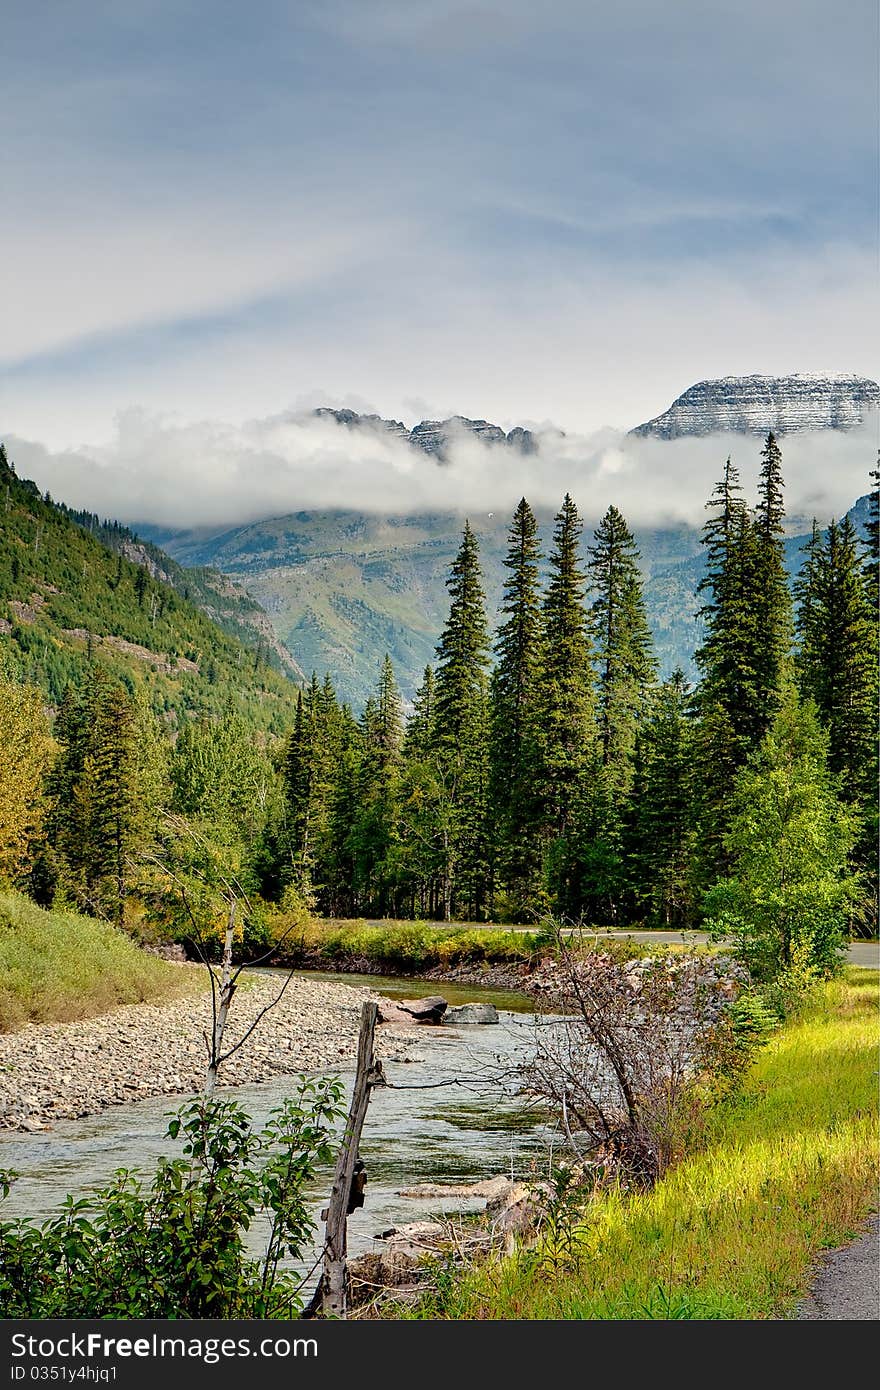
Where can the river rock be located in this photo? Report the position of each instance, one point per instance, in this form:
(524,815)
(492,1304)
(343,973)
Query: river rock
(471,1013)
(492,1189)
(50,1071)
(410,1011)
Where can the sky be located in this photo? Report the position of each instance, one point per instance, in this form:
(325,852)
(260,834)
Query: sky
(567,212)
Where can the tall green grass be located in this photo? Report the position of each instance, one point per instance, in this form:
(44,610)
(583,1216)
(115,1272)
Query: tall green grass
(58,966)
(414,946)
(789,1166)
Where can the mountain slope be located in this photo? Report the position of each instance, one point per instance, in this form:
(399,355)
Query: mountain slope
(66,598)
(342,588)
(756,404)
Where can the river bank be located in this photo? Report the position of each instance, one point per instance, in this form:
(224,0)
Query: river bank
(53,1071)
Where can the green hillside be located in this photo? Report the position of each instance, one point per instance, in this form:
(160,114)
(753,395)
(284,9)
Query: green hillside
(67,597)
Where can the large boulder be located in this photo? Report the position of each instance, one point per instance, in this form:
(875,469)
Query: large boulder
(430,1010)
(471,1013)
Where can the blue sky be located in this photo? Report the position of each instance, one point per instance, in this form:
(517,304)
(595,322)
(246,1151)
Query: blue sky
(530,212)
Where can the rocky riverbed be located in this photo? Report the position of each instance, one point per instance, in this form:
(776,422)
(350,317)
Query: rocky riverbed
(51,1071)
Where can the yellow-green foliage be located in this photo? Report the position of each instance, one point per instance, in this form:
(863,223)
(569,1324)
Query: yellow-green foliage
(56,966)
(789,1167)
(27,750)
(415,945)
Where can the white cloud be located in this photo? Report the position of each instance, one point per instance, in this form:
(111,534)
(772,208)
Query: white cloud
(213,474)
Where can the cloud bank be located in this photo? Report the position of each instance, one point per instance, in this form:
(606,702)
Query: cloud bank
(215,475)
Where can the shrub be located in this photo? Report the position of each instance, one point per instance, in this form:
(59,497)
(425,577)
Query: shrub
(176,1248)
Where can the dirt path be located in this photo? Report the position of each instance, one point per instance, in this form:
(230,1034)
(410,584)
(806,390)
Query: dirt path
(847,1286)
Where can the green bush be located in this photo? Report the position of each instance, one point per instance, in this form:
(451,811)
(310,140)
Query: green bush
(176,1248)
(413,947)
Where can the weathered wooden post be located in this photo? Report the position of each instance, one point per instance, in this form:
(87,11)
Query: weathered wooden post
(334,1281)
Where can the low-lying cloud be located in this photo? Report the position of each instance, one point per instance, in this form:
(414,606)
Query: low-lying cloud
(210,474)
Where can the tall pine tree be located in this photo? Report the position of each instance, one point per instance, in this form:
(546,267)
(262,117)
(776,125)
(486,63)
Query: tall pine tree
(515,731)
(622,647)
(566,712)
(461,732)
(838,667)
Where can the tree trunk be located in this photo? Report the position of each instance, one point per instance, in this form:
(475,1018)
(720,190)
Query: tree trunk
(227,990)
(334,1282)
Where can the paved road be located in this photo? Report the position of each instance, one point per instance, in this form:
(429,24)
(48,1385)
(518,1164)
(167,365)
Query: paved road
(859,952)
(846,1287)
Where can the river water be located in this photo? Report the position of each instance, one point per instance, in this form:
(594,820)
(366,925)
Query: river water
(415,1132)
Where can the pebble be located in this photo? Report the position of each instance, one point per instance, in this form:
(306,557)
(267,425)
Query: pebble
(52,1071)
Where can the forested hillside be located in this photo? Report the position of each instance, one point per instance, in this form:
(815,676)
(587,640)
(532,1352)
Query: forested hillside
(546,769)
(69,595)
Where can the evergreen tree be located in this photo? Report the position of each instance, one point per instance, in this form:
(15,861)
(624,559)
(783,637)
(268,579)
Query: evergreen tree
(744,654)
(419,735)
(772,599)
(515,732)
(374,833)
(659,831)
(838,668)
(105,789)
(565,708)
(622,647)
(461,730)
(308,772)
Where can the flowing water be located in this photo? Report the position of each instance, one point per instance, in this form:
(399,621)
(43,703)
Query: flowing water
(416,1130)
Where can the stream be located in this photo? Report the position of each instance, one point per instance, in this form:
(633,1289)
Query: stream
(455,1133)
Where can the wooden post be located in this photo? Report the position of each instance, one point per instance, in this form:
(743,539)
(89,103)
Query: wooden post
(334,1282)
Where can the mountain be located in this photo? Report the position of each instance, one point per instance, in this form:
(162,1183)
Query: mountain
(67,598)
(756,404)
(436,436)
(344,587)
(219,597)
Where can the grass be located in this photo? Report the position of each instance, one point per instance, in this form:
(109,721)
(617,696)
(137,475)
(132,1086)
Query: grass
(59,966)
(789,1167)
(392,947)
(414,946)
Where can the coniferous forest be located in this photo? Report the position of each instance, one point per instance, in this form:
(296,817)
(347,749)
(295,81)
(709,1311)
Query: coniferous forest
(544,769)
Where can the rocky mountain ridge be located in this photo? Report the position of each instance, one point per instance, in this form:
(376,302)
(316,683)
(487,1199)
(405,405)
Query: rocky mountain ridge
(756,404)
(435,436)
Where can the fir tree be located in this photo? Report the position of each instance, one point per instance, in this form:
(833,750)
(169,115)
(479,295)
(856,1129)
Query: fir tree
(419,735)
(771,598)
(374,831)
(622,646)
(838,668)
(461,729)
(104,791)
(659,831)
(515,732)
(565,706)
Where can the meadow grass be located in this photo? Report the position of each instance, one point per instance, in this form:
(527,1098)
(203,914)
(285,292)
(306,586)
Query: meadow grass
(413,947)
(59,966)
(788,1166)
(416,946)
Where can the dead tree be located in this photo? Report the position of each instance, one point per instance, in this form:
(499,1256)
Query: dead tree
(348,1179)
